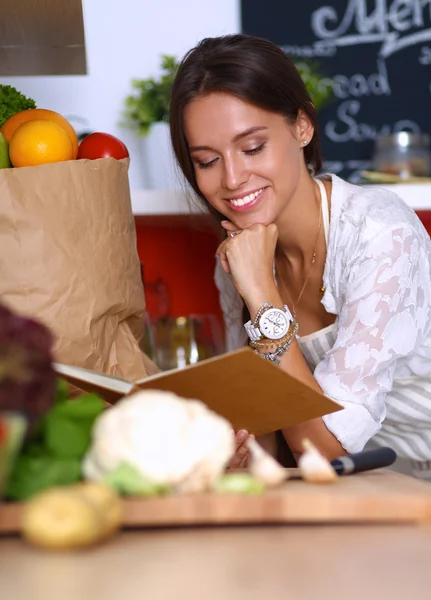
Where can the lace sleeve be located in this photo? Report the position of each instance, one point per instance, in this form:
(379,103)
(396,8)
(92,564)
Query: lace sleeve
(384,313)
(232,306)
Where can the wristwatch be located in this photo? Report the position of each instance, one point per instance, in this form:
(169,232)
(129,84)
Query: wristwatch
(270,322)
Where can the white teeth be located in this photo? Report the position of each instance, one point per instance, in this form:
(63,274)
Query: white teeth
(246,199)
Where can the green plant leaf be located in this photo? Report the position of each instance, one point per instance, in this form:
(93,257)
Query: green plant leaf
(150,100)
(67,427)
(127,480)
(62,391)
(67,438)
(12,101)
(319,86)
(83,408)
(32,474)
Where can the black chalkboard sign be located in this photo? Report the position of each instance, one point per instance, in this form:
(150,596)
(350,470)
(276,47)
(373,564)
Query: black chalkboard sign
(378,54)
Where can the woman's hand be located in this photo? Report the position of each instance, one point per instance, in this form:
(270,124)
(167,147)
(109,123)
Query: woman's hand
(242,454)
(249,258)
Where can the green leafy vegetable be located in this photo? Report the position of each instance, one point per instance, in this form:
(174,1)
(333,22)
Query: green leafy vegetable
(66,438)
(127,480)
(83,408)
(12,432)
(32,474)
(12,101)
(53,453)
(239,483)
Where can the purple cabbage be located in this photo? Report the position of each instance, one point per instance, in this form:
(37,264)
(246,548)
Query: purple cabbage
(28,382)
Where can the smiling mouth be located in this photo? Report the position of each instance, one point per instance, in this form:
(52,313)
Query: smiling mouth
(246,201)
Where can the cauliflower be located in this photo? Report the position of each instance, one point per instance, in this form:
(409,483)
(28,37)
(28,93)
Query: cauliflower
(168,440)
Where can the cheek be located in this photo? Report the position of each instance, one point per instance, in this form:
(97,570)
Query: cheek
(279,159)
(205,187)
(285,166)
(207,182)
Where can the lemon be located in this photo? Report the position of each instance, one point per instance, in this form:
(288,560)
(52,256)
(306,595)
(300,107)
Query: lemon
(39,142)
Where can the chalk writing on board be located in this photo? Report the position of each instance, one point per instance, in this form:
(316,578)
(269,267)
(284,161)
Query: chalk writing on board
(391,27)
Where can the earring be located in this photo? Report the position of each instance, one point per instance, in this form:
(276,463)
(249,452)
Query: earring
(305,142)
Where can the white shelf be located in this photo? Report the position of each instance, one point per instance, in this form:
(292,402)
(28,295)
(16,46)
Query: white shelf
(416,195)
(161,202)
(175,202)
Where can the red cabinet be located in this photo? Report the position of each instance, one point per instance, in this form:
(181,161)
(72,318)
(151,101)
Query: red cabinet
(178,257)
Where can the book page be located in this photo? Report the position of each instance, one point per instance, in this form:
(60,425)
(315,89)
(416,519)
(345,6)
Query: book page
(102,380)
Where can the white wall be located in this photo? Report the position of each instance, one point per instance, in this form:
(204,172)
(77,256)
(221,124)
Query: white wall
(124,39)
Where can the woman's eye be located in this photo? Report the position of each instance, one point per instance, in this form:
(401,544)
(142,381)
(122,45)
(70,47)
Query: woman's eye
(255,150)
(211,163)
(206,165)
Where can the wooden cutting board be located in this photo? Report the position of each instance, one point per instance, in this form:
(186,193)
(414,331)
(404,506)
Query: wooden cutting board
(373,497)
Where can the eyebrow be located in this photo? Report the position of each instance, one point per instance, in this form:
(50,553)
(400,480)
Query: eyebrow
(239,136)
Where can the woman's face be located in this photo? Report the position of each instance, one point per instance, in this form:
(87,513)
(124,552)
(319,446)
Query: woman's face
(248,161)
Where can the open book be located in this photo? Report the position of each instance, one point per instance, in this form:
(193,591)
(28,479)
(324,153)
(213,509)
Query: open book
(250,392)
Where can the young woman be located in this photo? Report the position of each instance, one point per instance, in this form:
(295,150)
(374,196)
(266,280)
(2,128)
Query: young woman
(334,278)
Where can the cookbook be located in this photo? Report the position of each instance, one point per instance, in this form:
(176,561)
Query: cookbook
(248,391)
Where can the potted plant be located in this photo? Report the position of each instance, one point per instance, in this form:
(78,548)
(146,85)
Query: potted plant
(149,103)
(147,111)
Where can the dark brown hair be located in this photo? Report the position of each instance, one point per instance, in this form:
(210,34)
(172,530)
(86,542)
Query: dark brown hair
(250,68)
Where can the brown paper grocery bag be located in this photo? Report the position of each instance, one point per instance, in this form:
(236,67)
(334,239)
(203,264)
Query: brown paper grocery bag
(68,257)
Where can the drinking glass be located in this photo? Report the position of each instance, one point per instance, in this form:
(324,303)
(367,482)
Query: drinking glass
(185,340)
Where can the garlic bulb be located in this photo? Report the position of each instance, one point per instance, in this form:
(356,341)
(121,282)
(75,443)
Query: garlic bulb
(314,467)
(264,467)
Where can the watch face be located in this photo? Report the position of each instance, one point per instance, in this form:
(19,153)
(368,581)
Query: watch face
(274,324)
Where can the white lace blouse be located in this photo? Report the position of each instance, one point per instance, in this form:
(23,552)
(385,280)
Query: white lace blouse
(378,282)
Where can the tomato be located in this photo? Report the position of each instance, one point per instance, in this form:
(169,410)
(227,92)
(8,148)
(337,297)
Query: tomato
(102,145)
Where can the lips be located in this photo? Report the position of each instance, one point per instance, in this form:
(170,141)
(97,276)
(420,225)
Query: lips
(246,202)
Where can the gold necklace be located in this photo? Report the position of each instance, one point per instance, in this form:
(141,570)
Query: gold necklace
(313,260)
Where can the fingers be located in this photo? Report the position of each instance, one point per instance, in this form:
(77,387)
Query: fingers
(242,454)
(273,229)
(240,438)
(229,226)
(260,228)
(219,249)
(224,263)
(220,252)
(265,235)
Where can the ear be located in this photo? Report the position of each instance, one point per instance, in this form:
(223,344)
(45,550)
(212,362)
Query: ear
(304,129)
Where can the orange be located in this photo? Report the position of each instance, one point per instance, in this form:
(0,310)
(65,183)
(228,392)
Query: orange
(39,142)
(12,124)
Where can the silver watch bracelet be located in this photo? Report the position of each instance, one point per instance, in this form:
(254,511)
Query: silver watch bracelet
(273,356)
(260,312)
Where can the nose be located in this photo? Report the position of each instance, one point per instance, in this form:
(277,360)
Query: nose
(235,172)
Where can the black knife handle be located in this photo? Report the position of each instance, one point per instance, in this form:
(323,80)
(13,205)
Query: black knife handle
(364,461)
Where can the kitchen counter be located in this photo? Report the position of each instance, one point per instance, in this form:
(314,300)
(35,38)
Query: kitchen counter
(287,562)
(175,202)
